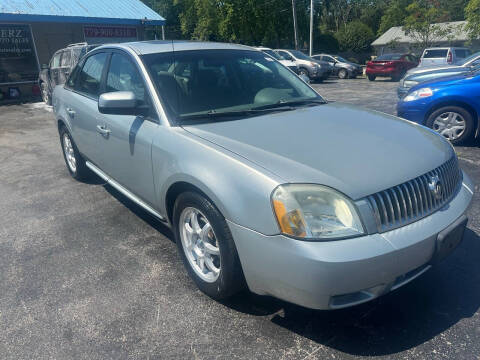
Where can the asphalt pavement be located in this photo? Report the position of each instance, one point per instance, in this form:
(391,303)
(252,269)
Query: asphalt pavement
(86,274)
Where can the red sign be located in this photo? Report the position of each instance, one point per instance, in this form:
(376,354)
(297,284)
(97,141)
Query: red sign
(109,32)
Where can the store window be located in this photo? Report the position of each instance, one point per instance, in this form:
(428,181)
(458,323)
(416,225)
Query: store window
(18,60)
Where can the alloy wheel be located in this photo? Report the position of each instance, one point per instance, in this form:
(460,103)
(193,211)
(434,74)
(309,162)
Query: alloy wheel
(200,244)
(69,153)
(450,124)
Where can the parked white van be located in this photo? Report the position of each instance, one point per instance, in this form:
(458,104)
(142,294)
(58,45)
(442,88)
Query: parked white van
(443,55)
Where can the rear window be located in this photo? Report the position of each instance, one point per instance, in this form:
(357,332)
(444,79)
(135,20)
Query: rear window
(389,57)
(462,53)
(435,53)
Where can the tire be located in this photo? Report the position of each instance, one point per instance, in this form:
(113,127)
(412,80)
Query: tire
(398,77)
(230,278)
(371,77)
(443,119)
(46,96)
(303,71)
(343,74)
(79,170)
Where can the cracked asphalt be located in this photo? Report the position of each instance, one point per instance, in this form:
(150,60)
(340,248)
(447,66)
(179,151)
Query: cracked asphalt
(85,274)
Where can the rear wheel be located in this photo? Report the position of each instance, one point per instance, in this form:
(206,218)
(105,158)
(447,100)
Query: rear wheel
(371,77)
(206,246)
(75,163)
(452,122)
(343,74)
(45,93)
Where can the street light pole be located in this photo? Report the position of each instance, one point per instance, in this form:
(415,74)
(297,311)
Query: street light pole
(311,28)
(294,10)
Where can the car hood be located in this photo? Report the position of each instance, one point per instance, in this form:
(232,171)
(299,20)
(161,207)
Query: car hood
(423,69)
(444,81)
(356,151)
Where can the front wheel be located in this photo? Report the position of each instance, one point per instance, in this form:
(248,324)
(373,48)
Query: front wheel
(371,77)
(343,74)
(454,123)
(206,246)
(303,72)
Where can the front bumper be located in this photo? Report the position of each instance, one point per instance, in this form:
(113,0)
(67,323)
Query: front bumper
(336,274)
(413,110)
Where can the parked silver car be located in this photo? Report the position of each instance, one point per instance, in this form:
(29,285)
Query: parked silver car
(443,56)
(264,183)
(306,65)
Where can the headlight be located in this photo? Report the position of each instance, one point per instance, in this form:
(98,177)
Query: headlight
(410,83)
(418,94)
(315,212)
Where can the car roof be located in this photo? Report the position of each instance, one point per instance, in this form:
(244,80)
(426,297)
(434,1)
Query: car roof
(158,46)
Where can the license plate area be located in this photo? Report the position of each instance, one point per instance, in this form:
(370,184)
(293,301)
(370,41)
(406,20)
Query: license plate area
(450,238)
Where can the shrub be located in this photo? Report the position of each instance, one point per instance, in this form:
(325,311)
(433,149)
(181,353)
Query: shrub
(355,36)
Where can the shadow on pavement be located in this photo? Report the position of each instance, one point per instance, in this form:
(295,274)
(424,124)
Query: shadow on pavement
(396,322)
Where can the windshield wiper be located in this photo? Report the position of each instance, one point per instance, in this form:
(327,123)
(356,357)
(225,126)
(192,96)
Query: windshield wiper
(292,103)
(213,114)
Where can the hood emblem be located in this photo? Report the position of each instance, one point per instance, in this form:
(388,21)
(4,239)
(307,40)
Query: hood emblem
(435,186)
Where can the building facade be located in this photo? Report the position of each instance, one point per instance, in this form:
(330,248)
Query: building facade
(30,32)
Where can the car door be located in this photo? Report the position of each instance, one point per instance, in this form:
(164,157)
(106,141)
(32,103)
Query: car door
(126,149)
(65,66)
(81,103)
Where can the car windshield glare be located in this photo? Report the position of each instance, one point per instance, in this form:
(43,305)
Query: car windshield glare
(468,59)
(273,54)
(340,59)
(299,55)
(389,57)
(192,83)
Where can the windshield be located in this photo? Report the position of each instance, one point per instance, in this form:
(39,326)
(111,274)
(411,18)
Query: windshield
(468,59)
(192,83)
(389,57)
(339,58)
(273,54)
(299,55)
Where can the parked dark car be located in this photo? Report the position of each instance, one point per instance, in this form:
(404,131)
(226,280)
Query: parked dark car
(415,78)
(57,71)
(342,68)
(391,65)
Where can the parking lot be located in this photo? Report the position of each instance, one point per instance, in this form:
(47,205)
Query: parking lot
(86,274)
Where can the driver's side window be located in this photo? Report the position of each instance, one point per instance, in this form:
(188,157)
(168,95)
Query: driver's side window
(124,76)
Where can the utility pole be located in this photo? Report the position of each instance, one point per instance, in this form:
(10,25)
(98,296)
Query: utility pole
(295,24)
(311,28)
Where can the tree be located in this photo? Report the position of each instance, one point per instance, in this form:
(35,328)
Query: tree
(394,15)
(472,14)
(420,24)
(355,36)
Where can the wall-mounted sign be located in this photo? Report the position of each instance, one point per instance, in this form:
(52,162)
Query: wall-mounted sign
(18,59)
(108,34)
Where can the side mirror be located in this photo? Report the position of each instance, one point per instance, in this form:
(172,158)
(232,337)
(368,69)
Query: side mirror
(120,103)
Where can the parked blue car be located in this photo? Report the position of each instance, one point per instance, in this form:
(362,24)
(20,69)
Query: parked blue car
(450,106)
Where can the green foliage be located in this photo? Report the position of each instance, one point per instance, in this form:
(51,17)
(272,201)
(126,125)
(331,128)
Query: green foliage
(270,23)
(394,15)
(472,14)
(355,36)
(421,14)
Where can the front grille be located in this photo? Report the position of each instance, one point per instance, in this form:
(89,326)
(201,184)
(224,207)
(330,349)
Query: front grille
(413,200)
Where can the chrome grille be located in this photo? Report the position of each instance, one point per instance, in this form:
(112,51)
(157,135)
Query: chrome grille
(413,200)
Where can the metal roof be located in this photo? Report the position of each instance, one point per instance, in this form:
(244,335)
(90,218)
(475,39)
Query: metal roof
(396,34)
(79,11)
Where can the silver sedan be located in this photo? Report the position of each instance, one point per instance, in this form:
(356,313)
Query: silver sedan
(265,184)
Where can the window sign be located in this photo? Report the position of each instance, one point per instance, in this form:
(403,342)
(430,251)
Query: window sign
(109,34)
(18,59)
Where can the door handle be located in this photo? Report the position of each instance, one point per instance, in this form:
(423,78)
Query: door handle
(70,112)
(103,130)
